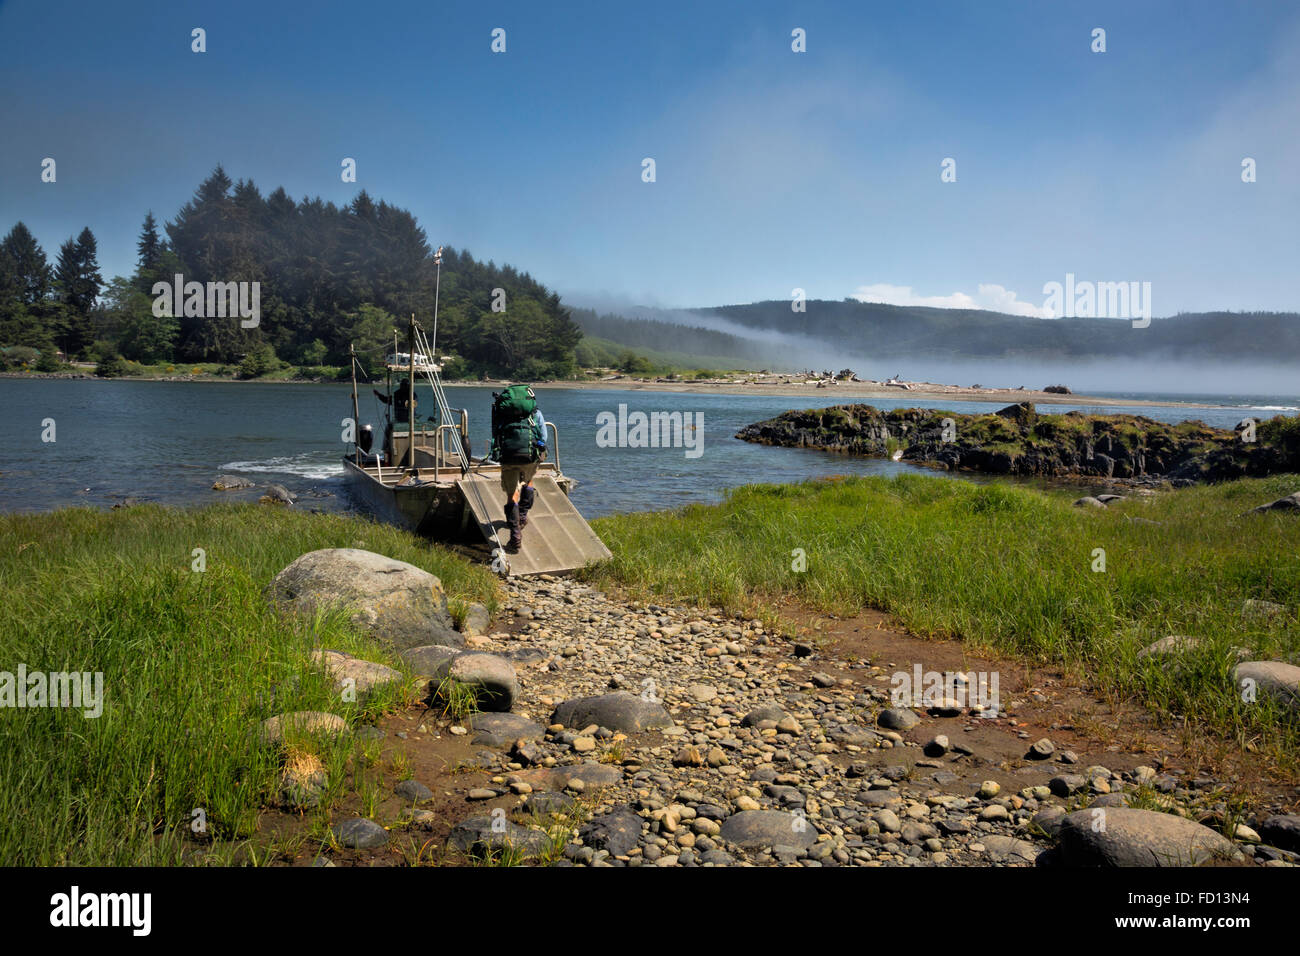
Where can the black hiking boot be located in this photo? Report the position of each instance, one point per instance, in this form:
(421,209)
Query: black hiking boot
(526,498)
(512,519)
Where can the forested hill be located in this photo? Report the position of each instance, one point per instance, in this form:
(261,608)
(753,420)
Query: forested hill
(328,275)
(672,334)
(908,331)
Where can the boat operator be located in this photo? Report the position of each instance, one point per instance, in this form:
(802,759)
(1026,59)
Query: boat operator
(402,399)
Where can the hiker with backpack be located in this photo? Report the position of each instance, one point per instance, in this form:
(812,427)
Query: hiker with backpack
(518,445)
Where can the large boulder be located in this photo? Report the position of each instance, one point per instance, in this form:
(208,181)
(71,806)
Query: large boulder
(493,678)
(592,776)
(761,713)
(354,674)
(621,711)
(1274,679)
(761,829)
(1009,850)
(1290,503)
(618,831)
(360,834)
(478,835)
(1120,836)
(426,660)
(274,731)
(1022,413)
(897,718)
(502,730)
(476,621)
(1282,831)
(1177,644)
(397,602)
(277,495)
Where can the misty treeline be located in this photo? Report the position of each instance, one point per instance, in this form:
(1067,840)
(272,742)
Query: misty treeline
(329,277)
(661,335)
(870,331)
(888,331)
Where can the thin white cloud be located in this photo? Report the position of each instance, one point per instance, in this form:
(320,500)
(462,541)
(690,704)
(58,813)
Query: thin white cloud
(990,297)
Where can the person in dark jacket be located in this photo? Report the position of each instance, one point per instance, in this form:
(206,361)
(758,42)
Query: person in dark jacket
(402,399)
(517,483)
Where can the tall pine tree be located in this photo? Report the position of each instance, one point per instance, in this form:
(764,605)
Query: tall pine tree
(26,279)
(27,264)
(149,249)
(77,283)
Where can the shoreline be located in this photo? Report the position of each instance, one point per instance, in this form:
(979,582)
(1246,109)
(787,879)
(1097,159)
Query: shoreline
(921,391)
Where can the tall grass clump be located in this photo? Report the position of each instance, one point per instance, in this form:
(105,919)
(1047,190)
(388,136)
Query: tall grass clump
(192,662)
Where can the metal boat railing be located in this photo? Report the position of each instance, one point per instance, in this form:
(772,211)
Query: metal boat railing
(556,432)
(440,445)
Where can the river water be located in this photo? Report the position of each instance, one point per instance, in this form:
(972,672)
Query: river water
(167,441)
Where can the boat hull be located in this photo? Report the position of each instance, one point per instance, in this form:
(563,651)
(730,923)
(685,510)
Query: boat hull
(435,508)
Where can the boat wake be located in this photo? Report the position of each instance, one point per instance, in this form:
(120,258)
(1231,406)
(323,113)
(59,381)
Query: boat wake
(310,465)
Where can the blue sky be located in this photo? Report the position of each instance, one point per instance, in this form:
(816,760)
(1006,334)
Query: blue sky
(775,170)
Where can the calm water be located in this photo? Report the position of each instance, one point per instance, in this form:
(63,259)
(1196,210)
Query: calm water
(166,441)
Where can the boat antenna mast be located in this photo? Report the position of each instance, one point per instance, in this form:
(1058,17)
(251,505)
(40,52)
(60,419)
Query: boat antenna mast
(410,396)
(437,282)
(356,412)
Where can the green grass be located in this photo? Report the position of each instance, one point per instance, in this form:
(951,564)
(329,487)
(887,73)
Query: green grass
(1007,567)
(191,663)
(458,701)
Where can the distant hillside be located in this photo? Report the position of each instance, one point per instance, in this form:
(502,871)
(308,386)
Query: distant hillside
(660,335)
(854,329)
(887,331)
(596,352)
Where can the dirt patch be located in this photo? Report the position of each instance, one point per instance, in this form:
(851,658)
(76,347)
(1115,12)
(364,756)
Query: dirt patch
(1037,701)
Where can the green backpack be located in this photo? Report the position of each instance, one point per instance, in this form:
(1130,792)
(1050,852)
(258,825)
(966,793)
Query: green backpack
(514,431)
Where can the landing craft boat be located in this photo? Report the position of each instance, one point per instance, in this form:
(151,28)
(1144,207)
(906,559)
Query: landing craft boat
(422,475)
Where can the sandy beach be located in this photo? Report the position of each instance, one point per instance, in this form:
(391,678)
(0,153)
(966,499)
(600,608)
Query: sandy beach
(793,388)
(849,391)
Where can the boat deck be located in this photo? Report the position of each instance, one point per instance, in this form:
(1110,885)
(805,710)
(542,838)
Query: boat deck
(557,538)
(440,502)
